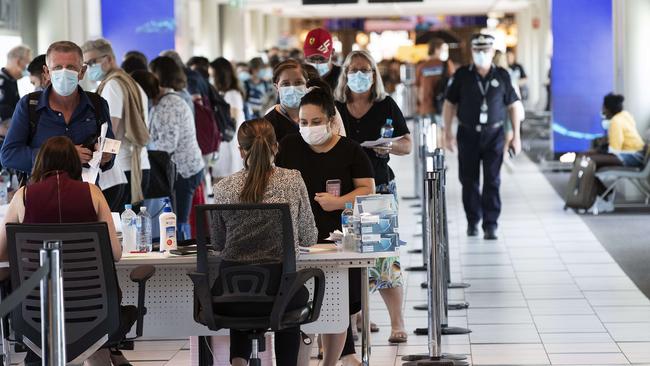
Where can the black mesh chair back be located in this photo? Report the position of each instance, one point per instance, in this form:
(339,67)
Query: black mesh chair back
(90,284)
(255,228)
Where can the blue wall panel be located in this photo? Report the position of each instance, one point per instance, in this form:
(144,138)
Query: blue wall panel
(144,25)
(582,70)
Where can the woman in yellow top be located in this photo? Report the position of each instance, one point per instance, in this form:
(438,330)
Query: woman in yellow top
(624,140)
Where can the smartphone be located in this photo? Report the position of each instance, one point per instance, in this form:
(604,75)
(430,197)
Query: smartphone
(333,187)
(512,153)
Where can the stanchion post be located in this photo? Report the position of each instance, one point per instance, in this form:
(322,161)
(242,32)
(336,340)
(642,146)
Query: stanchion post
(435,270)
(444,275)
(52,307)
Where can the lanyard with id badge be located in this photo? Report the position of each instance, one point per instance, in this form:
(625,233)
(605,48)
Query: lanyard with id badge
(483,117)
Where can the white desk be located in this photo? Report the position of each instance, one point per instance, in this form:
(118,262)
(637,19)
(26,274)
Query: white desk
(170,293)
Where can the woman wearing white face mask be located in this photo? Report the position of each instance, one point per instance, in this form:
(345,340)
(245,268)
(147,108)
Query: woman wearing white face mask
(321,156)
(290,79)
(365,109)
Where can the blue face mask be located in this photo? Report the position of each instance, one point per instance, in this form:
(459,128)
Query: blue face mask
(265,74)
(243,76)
(290,96)
(360,82)
(322,68)
(95,72)
(64,81)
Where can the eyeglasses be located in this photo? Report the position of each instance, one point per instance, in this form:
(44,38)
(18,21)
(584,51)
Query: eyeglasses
(95,60)
(354,71)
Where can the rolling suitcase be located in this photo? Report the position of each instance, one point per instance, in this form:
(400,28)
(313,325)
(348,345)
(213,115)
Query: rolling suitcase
(583,188)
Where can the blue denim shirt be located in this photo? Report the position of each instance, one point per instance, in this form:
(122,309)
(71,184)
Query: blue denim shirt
(17,154)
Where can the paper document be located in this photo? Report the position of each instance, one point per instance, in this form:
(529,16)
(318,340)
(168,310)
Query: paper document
(89,175)
(111,146)
(379,142)
(318,248)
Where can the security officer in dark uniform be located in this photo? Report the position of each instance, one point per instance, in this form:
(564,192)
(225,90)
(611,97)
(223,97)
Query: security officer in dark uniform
(482,97)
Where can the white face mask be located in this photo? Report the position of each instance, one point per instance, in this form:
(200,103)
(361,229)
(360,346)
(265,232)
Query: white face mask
(315,135)
(482,59)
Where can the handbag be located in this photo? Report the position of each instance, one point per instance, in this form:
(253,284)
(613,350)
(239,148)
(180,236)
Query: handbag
(162,175)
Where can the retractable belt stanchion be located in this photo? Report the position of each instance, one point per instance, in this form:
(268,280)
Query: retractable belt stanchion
(450,284)
(52,310)
(426,150)
(445,270)
(435,288)
(417,141)
(438,165)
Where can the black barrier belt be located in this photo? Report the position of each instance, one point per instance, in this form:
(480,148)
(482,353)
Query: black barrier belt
(23,291)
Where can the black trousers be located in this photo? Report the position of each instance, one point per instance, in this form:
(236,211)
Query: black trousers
(119,195)
(287,341)
(354,284)
(476,148)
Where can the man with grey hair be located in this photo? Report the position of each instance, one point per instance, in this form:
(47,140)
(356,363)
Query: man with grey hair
(17,60)
(62,109)
(128,107)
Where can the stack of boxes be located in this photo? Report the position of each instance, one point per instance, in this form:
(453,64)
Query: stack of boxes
(376,223)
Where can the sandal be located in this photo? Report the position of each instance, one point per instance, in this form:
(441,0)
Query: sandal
(373,327)
(399,336)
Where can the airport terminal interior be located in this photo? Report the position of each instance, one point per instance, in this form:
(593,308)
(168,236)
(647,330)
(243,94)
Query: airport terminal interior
(324,182)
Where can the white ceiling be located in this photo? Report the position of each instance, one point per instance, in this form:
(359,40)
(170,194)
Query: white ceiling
(294,8)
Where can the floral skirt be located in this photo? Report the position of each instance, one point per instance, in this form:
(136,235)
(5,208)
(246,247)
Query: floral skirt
(387,273)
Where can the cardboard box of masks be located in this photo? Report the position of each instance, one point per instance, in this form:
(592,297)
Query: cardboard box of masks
(377,223)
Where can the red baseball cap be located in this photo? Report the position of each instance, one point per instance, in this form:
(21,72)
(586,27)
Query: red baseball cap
(318,42)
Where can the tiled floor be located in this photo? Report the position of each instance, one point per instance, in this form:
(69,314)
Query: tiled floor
(545,293)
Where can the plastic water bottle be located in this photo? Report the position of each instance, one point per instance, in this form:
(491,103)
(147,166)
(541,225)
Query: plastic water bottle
(129,229)
(347,226)
(387,129)
(167,221)
(5,181)
(144,231)
(346,216)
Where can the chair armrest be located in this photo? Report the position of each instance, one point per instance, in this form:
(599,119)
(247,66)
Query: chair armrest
(140,275)
(291,284)
(203,300)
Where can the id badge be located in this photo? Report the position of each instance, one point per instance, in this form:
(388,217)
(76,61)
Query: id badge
(483,118)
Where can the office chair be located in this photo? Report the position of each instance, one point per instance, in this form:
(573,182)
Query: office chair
(253,283)
(94,318)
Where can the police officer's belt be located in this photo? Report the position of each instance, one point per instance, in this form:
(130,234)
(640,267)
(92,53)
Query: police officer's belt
(485,127)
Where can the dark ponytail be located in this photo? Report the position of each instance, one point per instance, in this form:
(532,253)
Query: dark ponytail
(257,139)
(320,95)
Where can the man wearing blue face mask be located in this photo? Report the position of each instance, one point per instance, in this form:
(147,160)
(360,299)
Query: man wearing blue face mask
(62,109)
(17,60)
(319,49)
(482,97)
(127,104)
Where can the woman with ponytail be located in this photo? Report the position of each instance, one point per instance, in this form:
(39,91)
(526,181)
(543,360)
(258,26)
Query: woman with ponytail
(242,240)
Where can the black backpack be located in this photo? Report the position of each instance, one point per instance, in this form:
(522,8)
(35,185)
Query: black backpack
(35,116)
(227,124)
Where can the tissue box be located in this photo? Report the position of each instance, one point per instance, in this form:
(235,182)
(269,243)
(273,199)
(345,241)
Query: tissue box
(379,243)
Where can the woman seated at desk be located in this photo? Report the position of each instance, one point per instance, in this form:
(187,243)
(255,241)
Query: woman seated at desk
(261,182)
(56,194)
(321,156)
